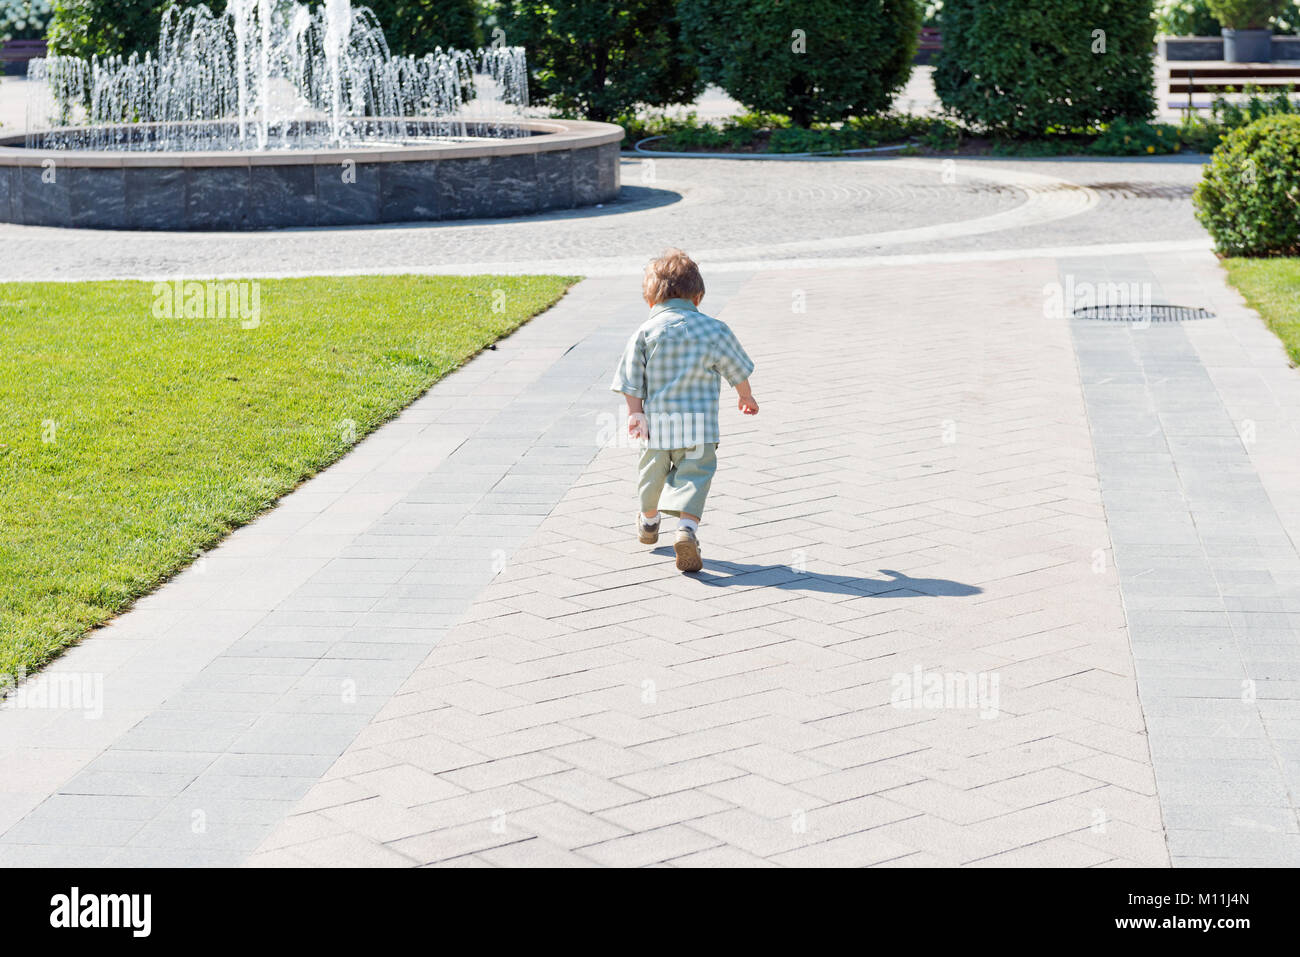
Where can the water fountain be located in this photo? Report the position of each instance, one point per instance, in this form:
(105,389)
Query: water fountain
(274,113)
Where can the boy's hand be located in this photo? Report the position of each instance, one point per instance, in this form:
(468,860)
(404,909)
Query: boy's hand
(637,426)
(745,399)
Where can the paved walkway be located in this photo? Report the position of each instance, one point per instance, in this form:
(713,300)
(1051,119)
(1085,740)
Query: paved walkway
(737,215)
(982,587)
(917,498)
(238,683)
(1195,427)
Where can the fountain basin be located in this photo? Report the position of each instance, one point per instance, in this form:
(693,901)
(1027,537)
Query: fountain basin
(559,164)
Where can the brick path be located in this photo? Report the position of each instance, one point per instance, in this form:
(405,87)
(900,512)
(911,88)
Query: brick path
(449,648)
(917,493)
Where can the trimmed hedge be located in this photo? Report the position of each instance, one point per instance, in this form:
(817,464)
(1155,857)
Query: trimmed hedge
(1249,195)
(1016,68)
(811,60)
(598,58)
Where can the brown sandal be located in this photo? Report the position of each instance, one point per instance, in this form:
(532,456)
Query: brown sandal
(687,547)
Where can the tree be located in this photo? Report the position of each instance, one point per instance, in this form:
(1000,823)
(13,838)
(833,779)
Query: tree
(417,26)
(809,59)
(23,19)
(1185,18)
(598,58)
(1246,14)
(103,27)
(88,27)
(1024,69)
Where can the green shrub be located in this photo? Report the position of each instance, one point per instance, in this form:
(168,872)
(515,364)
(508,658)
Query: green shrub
(1203,133)
(599,58)
(813,60)
(1249,196)
(23,19)
(1246,14)
(1199,134)
(637,125)
(1186,18)
(1024,69)
(1129,138)
(103,27)
(772,133)
(1233,115)
(417,26)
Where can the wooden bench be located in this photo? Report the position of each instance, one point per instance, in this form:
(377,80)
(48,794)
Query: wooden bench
(14,54)
(1216,76)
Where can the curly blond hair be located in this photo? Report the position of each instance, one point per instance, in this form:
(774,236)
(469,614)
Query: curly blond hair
(673,275)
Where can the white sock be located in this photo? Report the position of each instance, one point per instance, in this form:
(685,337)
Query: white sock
(651,521)
(690,523)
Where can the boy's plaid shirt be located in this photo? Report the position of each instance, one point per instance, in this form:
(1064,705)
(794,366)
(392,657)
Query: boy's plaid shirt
(674,362)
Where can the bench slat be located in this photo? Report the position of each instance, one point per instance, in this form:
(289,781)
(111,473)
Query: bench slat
(1243,77)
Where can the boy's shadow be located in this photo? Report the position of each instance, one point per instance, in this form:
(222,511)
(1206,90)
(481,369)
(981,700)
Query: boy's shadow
(718,574)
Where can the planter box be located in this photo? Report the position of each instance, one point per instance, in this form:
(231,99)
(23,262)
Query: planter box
(1211,48)
(1286,48)
(14,55)
(1247,46)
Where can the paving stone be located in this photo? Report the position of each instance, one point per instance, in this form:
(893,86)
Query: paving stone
(588,689)
(649,847)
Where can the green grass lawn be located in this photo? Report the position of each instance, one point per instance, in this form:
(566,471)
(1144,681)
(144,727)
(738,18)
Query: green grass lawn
(129,441)
(1272,287)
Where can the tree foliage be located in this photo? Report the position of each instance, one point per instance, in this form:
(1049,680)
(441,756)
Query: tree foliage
(1025,69)
(597,58)
(811,60)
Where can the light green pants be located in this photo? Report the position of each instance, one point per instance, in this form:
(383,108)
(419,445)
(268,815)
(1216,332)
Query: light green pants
(677,480)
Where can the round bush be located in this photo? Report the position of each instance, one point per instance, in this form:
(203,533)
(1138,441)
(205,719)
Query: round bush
(811,60)
(1024,69)
(1249,196)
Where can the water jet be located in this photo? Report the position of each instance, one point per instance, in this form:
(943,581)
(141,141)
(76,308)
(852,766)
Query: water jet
(271,114)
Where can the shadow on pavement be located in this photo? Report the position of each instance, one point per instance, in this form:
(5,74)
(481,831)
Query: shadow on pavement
(721,574)
(631,199)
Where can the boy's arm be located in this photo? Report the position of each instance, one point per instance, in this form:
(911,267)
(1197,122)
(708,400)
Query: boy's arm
(629,377)
(630,380)
(735,365)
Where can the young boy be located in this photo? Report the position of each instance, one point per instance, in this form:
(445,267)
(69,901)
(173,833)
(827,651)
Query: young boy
(670,375)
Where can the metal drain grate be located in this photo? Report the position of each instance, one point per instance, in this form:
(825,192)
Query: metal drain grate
(1140,313)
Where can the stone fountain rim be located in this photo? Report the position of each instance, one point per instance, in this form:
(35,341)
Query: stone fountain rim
(554,135)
